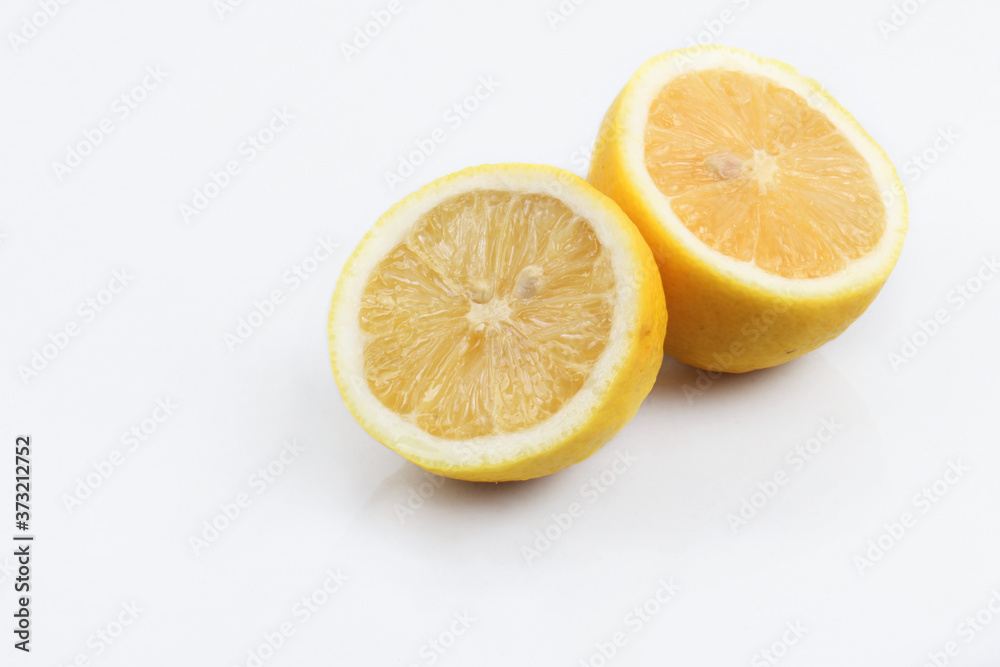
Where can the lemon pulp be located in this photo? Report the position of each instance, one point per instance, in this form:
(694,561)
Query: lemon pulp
(489,316)
(757,174)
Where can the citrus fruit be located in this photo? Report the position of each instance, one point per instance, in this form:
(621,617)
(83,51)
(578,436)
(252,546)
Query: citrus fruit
(501,323)
(774,218)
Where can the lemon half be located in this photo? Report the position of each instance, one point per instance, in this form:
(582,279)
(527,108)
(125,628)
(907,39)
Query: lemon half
(774,217)
(501,323)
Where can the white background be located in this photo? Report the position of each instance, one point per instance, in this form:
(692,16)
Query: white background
(337,505)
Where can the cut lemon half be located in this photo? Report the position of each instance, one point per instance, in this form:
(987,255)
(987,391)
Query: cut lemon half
(501,323)
(774,217)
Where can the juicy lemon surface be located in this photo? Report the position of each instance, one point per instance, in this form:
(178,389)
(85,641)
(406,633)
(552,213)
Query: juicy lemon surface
(758,175)
(489,316)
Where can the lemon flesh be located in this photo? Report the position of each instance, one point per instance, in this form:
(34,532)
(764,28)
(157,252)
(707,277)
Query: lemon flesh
(760,176)
(489,316)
